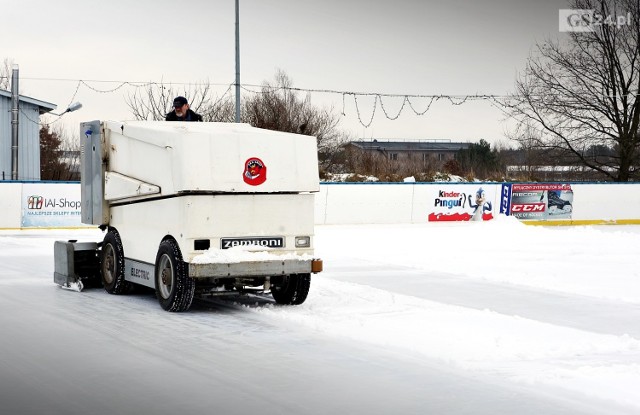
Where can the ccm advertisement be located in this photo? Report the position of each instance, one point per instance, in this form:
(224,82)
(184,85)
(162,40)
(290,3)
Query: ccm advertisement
(539,201)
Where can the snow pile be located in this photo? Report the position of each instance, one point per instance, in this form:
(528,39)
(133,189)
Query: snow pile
(572,263)
(448,178)
(570,260)
(516,348)
(349,177)
(466,337)
(73,286)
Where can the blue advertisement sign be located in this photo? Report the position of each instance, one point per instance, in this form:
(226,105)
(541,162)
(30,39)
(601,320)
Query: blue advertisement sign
(505,199)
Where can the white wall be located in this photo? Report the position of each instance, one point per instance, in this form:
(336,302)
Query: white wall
(364,203)
(10,205)
(344,203)
(607,202)
(356,203)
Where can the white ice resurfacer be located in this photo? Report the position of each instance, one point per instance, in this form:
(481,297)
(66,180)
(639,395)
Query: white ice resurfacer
(196,209)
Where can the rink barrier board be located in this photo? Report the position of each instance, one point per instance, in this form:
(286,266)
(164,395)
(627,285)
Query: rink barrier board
(581,222)
(355,203)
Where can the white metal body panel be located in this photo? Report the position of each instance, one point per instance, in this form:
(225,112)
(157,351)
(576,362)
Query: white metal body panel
(142,226)
(211,157)
(118,187)
(140,273)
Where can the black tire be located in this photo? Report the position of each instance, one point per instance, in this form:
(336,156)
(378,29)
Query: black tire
(174,288)
(292,289)
(112,264)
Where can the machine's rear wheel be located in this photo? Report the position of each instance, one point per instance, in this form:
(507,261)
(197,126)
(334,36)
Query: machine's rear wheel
(291,289)
(112,264)
(174,288)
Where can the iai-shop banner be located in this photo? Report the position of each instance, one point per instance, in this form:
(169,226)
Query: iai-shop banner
(49,205)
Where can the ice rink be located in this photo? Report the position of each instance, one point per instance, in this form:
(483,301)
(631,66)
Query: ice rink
(466,318)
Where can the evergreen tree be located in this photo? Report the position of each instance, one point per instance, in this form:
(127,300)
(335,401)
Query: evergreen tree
(51,165)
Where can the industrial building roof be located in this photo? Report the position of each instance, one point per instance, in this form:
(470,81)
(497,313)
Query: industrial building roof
(411,145)
(43,106)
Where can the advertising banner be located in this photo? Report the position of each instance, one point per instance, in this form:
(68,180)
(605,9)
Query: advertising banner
(541,201)
(51,205)
(461,203)
(505,199)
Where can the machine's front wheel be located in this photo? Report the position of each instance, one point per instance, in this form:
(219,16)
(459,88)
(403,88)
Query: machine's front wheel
(174,288)
(291,289)
(112,264)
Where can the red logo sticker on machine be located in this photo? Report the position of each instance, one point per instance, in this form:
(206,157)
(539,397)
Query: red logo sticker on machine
(255,172)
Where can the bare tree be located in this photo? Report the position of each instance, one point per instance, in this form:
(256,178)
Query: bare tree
(153,102)
(6,71)
(584,93)
(276,106)
(70,151)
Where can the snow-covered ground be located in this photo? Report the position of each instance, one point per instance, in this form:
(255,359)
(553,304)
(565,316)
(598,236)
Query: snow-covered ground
(478,318)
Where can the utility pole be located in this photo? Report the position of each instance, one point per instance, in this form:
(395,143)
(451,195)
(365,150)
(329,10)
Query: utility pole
(15,108)
(237,61)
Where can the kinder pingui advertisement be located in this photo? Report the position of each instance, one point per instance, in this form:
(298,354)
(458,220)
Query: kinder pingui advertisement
(462,203)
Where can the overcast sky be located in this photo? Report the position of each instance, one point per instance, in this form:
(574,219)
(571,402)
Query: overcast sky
(418,47)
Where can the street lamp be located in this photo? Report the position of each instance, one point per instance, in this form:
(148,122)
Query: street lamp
(73,107)
(14,133)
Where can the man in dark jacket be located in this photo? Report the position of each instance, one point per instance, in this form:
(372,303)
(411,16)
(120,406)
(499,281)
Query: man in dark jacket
(182,112)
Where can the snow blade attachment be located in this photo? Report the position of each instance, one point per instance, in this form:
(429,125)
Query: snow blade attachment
(76,264)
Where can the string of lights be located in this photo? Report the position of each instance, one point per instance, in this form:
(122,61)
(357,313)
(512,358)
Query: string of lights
(379,100)
(408,100)
(28,118)
(74,93)
(132,83)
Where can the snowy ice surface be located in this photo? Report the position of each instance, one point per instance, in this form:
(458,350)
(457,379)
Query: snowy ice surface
(578,263)
(547,308)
